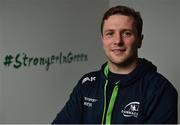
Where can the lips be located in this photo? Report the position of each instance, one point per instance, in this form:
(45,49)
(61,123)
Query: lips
(118,50)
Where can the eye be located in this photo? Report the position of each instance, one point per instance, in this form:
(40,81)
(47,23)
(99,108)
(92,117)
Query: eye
(109,34)
(127,34)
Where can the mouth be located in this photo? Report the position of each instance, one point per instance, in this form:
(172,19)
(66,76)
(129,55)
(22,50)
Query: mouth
(118,50)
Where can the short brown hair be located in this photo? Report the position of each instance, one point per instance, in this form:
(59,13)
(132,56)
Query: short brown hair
(124,10)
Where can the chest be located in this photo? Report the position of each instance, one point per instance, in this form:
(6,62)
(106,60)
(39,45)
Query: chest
(127,107)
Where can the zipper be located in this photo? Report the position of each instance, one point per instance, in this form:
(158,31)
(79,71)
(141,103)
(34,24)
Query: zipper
(111,104)
(108,115)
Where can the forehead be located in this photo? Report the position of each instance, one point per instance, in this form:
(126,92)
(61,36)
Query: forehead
(119,22)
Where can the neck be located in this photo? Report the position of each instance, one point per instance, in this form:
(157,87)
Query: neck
(122,68)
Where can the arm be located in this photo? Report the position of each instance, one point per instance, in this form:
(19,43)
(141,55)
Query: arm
(72,111)
(162,104)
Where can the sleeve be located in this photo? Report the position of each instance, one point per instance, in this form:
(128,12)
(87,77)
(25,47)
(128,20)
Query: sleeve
(72,111)
(161,106)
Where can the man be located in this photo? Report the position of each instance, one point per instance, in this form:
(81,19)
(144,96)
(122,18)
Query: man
(127,89)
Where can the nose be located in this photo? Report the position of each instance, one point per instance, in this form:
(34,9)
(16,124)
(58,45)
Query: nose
(118,39)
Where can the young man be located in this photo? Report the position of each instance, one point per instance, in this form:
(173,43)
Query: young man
(126,89)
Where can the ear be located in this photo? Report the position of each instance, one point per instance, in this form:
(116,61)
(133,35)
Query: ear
(140,41)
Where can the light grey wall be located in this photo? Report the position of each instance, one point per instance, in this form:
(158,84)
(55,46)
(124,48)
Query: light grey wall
(41,28)
(45,27)
(161,35)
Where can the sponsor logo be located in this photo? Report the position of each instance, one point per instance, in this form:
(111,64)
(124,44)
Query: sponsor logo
(131,109)
(91,79)
(89,101)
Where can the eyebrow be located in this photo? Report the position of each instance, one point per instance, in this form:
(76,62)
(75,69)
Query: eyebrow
(110,30)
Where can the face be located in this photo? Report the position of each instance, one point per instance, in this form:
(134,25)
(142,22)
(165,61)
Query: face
(120,40)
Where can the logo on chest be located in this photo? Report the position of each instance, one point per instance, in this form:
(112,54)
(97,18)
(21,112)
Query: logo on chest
(131,109)
(89,101)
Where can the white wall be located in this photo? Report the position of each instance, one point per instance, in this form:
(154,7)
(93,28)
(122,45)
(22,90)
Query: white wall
(161,35)
(41,28)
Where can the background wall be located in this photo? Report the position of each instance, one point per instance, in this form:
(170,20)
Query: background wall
(33,29)
(161,35)
(31,93)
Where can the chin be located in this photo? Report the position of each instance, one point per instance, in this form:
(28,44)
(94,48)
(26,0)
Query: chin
(120,61)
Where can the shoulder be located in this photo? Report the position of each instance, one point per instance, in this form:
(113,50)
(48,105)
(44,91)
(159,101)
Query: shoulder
(88,83)
(90,77)
(159,97)
(93,76)
(157,85)
(158,80)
